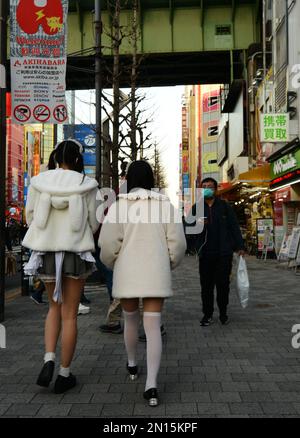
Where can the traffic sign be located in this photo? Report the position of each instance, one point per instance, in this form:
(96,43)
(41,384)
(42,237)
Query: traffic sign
(60,113)
(41,113)
(22,113)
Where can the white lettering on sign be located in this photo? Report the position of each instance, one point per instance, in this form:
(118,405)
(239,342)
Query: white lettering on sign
(284,164)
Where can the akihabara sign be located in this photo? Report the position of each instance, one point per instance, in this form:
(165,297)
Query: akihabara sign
(38,57)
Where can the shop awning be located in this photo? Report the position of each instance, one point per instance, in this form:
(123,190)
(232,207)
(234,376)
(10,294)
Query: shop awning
(259,176)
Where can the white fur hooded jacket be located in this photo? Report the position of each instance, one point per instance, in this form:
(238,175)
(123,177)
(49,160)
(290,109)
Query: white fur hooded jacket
(61,212)
(142,252)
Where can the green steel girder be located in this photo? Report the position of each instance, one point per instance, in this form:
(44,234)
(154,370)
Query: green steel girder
(80,20)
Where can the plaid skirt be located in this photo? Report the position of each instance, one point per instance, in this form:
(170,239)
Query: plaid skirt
(73,267)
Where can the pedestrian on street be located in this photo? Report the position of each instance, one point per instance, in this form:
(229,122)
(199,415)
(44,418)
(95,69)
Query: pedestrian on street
(220,238)
(61,214)
(141,253)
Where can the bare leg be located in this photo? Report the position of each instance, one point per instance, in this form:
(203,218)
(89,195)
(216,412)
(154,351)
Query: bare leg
(53,321)
(71,298)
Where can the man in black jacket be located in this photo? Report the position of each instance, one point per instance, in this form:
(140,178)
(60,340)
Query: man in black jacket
(220,238)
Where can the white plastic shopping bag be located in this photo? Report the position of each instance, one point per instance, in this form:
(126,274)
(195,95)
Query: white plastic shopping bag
(242,282)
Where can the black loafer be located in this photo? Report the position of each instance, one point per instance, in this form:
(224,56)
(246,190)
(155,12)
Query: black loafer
(63,384)
(152,396)
(133,372)
(46,374)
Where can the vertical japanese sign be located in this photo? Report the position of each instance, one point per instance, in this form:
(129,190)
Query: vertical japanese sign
(38,53)
(274,128)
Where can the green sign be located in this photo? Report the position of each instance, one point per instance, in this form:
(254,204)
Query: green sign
(285,164)
(274,128)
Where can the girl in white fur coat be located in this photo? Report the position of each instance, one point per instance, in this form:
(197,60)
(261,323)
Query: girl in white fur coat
(61,214)
(142,239)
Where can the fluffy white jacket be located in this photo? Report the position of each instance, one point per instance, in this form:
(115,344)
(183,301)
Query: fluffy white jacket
(142,254)
(61,212)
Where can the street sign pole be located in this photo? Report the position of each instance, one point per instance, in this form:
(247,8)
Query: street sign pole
(3,59)
(98,87)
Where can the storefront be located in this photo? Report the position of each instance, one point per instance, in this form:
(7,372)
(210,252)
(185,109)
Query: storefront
(285,189)
(251,199)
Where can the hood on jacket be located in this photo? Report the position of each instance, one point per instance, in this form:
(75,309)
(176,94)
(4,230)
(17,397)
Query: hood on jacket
(61,189)
(60,182)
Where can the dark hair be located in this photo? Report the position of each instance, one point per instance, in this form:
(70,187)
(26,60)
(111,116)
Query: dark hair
(140,175)
(68,153)
(210,180)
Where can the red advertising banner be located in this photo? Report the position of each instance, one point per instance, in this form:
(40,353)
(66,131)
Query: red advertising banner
(211,101)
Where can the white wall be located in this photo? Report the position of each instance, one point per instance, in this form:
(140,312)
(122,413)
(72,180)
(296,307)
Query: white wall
(236,131)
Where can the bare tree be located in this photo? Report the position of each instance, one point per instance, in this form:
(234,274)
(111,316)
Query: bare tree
(158,170)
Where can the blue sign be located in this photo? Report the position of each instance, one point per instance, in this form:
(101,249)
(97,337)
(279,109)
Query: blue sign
(86,135)
(186,181)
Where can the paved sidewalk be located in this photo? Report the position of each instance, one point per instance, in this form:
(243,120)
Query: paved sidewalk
(247,368)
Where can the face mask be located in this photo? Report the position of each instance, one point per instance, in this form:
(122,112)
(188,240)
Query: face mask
(208,193)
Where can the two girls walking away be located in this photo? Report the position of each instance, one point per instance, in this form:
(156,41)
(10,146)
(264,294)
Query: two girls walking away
(142,253)
(61,214)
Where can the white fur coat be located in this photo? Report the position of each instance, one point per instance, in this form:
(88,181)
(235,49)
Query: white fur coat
(61,212)
(142,254)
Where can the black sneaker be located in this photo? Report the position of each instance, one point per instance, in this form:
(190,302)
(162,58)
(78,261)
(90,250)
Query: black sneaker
(152,396)
(63,384)
(133,372)
(205,321)
(106,328)
(142,336)
(224,319)
(46,374)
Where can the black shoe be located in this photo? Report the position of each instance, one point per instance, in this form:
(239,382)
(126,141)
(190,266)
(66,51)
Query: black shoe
(37,298)
(205,321)
(133,372)
(46,374)
(142,336)
(63,384)
(152,396)
(106,328)
(84,300)
(224,319)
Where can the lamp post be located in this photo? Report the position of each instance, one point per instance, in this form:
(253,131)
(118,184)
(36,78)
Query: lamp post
(3,59)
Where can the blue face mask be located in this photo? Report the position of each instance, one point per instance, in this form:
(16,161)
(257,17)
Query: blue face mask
(208,193)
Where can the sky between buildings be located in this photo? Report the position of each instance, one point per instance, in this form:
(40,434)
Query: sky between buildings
(164,104)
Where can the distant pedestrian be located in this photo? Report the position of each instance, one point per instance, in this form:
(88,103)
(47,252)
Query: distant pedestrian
(61,213)
(142,253)
(220,238)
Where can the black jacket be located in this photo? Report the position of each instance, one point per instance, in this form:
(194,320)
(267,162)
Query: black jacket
(221,235)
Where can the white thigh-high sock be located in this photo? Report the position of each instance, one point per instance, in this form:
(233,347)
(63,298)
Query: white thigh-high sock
(152,321)
(131,333)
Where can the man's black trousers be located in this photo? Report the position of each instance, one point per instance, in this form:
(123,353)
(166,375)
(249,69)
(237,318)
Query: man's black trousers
(215,271)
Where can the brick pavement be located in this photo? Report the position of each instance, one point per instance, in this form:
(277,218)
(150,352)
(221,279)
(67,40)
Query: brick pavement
(245,369)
